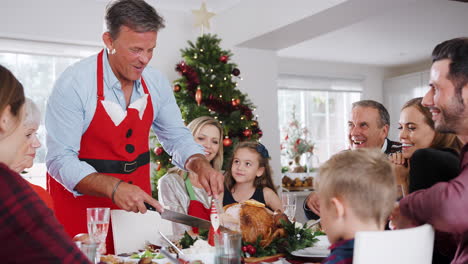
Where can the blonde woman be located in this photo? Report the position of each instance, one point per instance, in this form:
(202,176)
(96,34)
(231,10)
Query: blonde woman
(180,190)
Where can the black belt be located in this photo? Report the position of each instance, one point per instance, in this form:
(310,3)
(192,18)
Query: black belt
(117,166)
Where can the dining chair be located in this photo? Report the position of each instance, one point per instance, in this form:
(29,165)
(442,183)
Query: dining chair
(404,246)
(132,230)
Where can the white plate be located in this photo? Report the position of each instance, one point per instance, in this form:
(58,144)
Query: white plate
(320,249)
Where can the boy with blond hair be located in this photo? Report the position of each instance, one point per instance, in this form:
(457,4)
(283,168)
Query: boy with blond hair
(357,192)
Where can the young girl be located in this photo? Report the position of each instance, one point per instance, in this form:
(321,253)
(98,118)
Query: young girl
(248,176)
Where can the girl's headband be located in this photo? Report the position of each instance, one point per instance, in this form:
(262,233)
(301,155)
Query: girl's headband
(262,150)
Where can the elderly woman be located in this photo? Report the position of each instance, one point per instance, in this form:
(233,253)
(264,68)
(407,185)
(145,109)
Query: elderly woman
(31,124)
(182,191)
(30,233)
(427,157)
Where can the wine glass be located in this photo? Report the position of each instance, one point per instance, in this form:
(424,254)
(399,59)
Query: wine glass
(98,225)
(289,205)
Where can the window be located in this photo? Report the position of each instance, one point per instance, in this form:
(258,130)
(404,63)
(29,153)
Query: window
(322,105)
(37,65)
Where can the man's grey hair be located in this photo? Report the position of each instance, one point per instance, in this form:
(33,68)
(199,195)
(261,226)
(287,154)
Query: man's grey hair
(383,113)
(138,15)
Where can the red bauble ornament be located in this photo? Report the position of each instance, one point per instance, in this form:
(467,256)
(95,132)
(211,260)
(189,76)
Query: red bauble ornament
(198,96)
(224,58)
(177,88)
(247,133)
(260,133)
(234,102)
(235,72)
(227,142)
(158,151)
(238,101)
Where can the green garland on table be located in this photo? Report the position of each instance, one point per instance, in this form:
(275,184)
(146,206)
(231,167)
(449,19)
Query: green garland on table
(297,238)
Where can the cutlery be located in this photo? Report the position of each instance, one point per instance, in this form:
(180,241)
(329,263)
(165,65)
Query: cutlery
(185,219)
(314,223)
(169,256)
(179,252)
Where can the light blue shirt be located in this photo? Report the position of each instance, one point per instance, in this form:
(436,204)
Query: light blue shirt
(71,108)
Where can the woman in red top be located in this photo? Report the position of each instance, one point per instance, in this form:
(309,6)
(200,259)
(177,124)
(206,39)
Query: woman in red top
(31,124)
(180,190)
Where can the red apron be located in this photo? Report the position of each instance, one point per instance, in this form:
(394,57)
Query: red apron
(195,208)
(121,151)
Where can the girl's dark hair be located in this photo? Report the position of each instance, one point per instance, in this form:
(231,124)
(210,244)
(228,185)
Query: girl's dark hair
(11,92)
(265,180)
(441,140)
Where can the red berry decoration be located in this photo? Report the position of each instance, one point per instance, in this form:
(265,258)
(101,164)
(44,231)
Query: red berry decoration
(158,151)
(227,142)
(244,248)
(251,250)
(247,133)
(224,59)
(177,88)
(235,72)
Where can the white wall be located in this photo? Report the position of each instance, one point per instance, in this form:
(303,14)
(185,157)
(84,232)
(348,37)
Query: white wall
(259,71)
(371,76)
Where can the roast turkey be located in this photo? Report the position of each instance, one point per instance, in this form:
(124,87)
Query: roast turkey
(252,219)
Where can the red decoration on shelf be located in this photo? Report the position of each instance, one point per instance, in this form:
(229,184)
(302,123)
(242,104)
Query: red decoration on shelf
(224,58)
(158,151)
(235,72)
(198,96)
(227,142)
(177,88)
(247,133)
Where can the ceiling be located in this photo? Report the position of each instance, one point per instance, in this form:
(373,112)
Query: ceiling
(374,32)
(401,36)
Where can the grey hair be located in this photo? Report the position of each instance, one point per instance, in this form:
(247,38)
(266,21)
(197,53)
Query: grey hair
(383,113)
(33,114)
(135,14)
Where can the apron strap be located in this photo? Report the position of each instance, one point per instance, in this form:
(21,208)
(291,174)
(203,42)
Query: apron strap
(189,187)
(100,76)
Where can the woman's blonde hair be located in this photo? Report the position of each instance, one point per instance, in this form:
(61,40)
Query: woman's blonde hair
(195,126)
(440,140)
(266,179)
(364,179)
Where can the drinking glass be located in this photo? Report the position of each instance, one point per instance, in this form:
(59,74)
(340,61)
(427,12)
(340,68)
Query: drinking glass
(289,205)
(98,225)
(228,248)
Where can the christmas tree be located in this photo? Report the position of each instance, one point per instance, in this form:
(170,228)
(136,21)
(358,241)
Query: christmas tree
(208,87)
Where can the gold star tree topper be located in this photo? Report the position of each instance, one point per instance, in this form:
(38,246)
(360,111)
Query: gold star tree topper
(202,17)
